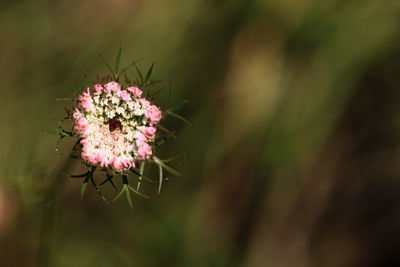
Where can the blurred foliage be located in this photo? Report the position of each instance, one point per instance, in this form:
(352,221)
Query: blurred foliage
(293,152)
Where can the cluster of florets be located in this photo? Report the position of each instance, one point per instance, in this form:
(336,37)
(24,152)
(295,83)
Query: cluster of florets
(117,126)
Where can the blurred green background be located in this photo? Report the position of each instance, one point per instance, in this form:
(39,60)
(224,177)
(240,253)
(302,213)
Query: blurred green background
(294,152)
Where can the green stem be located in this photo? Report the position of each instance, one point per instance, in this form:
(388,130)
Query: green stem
(141,175)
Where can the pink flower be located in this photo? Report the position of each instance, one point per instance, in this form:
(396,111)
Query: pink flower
(97,89)
(117,164)
(149,132)
(153,113)
(103,162)
(140,137)
(125,95)
(83,142)
(144,102)
(89,158)
(112,86)
(114,134)
(81,123)
(86,148)
(136,91)
(120,164)
(76,114)
(144,151)
(85,100)
(126,164)
(81,126)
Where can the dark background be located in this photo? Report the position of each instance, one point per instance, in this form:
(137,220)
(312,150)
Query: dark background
(293,156)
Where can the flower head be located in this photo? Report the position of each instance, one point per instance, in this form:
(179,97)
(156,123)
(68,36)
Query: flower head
(117,126)
(117,132)
(136,91)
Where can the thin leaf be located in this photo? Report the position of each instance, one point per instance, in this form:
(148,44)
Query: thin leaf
(84,186)
(166,167)
(129,66)
(142,168)
(107,65)
(64,133)
(109,179)
(138,193)
(166,130)
(126,189)
(149,73)
(127,81)
(161,141)
(128,196)
(156,92)
(113,185)
(179,117)
(118,59)
(161,178)
(79,175)
(155,82)
(119,194)
(126,68)
(141,175)
(104,181)
(179,105)
(98,190)
(173,158)
(140,74)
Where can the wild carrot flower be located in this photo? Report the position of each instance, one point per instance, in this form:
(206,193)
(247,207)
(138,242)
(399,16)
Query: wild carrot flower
(117,130)
(116,126)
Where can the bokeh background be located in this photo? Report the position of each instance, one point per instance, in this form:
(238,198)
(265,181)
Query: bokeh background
(293,158)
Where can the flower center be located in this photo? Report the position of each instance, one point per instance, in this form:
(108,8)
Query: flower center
(114,124)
